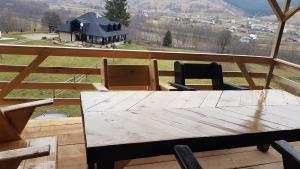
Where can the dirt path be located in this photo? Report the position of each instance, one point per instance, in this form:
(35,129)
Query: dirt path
(39,36)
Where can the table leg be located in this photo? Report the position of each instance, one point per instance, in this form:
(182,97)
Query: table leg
(91,165)
(263,148)
(106,164)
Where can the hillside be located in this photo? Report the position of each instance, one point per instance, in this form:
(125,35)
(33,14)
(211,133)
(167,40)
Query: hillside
(183,6)
(160,6)
(255,7)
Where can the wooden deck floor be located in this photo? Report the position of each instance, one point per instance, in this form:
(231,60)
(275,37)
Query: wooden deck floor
(71,152)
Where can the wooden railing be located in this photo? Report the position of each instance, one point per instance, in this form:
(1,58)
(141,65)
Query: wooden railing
(287,83)
(42,53)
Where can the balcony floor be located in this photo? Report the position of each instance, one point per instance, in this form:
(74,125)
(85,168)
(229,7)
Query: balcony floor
(71,151)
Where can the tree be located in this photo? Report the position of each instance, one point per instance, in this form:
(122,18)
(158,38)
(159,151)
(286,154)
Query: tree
(116,10)
(167,41)
(223,39)
(51,18)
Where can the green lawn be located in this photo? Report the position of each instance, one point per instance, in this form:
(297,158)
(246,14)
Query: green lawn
(96,62)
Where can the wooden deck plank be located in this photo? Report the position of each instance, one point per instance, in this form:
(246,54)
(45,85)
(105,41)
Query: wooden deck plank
(73,155)
(237,160)
(54,122)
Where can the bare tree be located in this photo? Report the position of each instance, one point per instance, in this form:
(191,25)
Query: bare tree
(223,39)
(51,18)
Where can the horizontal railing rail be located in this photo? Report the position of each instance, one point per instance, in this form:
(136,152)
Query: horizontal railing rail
(287,83)
(42,53)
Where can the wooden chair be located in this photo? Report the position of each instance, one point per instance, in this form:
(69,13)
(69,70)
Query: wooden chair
(211,71)
(11,159)
(130,77)
(13,120)
(290,157)
(185,157)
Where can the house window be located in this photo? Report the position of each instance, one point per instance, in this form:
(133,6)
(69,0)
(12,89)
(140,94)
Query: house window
(109,28)
(90,39)
(114,27)
(119,27)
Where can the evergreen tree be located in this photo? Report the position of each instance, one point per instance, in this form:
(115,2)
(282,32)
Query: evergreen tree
(167,41)
(116,10)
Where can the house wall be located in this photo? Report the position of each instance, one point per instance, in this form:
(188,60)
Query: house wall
(66,36)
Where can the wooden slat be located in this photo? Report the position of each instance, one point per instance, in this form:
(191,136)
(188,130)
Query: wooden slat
(166,73)
(21,76)
(246,75)
(47,162)
(24,153)
(19,115)
(276,9)
(52,85)
(57,101)
(285,82)
(47,143)
(109,53)
(52,70)
(128,75)
(225,74)
(285,65)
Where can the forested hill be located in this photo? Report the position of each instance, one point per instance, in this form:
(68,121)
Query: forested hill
(255,7)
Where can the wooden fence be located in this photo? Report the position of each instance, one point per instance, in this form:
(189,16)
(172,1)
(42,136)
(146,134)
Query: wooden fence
(42,53)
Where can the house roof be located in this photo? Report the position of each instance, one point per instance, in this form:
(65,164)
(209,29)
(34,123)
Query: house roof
(93,25)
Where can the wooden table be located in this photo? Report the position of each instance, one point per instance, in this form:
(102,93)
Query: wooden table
(128,125)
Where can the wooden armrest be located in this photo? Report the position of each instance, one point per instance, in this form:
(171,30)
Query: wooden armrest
(27,105)
(182,87)
(227,86)
(291,157)
(23,154)
(185,157)
(100,87)
(166,87)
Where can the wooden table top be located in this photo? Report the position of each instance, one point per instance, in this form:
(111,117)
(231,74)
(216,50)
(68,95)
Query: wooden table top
(116,118)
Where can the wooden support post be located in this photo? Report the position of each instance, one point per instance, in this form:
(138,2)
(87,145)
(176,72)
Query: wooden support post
(153,74)
(246,74)
(291,12)
(286,7)
(104,72)
(22,75)
(274,53)
(276,9)
(276,44)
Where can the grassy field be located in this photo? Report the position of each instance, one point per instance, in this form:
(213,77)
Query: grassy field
(94,62)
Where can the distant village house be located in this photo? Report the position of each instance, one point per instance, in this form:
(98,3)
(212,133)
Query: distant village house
(92,28)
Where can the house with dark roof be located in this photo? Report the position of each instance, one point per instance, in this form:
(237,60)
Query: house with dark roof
(92,28)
